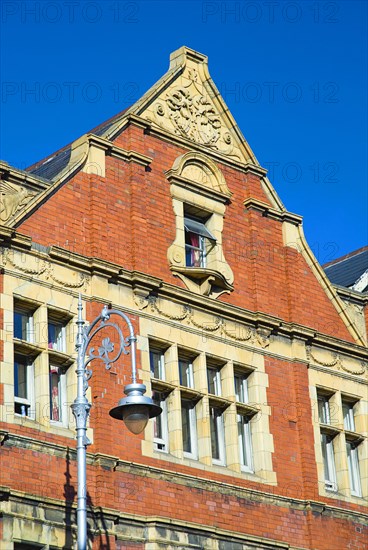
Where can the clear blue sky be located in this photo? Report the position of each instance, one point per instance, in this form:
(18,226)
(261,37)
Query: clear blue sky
(293,73)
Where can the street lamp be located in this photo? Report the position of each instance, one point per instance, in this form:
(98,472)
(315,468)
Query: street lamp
(135,409)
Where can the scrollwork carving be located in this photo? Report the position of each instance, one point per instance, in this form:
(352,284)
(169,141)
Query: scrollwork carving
(186,110)
(338,362)
(234,331)
(43,267)
(12,199)
(193,116)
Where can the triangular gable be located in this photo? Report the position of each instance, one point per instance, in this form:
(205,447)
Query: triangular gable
(185,103)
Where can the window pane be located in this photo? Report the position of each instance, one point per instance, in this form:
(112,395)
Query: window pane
(214,435)
(328,460)
(214,381)
(245,442)
(348,413)
(56,340)
(186,373)
(21,387)
(186,427)
(160,427)
(195,248)
(241,388)
(188,418)
(22,326)
(323,410)
(20,380)
(157,364)
(353,466)
(55,394)
(217,443)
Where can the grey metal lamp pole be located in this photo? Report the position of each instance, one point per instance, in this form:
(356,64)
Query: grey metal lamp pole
(135,409)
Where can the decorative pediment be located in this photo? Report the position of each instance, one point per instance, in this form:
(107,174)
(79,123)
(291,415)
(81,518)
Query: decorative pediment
(191,107)
(200,171)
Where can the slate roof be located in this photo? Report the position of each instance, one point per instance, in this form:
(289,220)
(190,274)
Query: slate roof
(345,271)
(54,164)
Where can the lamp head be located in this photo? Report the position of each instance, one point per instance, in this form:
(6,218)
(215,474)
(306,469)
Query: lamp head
(135,409)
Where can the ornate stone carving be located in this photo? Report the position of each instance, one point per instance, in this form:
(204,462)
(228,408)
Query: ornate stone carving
(41,267)
(211,325)
(338,362)
(12,199)
(193,116)
(187,110)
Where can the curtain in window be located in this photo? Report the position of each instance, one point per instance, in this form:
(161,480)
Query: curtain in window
(193,252)
(55,398)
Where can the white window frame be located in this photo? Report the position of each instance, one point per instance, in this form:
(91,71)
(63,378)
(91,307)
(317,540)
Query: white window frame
(189,372)
(29,324)
(201,249)
(63,408)
(194,226)
(245,443)
(220,432)
(193,454)
(161,363)
(353,468)
(329,463)
(29,400)
(216,380)
(348,414)
(243,395)
(323,409)
(60,343)
(163,418)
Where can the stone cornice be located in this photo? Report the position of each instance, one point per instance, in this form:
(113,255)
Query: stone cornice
(146,285)
(10,237)
(351,295)
(112,463)
(258,319)
(122,525)
(151,129)
(256,169)
(22,177)
(269,212)
(119,152)
(197,188)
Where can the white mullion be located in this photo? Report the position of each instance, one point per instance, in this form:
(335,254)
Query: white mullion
(220,436)
(245,444)
(331,463)
(353,467)
(164,428)
(31,389)
(192,427)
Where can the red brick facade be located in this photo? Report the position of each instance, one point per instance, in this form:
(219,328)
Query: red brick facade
(126,218)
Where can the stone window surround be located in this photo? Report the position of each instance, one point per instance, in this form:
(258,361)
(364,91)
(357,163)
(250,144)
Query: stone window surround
(198,188)
(330,386)
(261,438)
(41,357)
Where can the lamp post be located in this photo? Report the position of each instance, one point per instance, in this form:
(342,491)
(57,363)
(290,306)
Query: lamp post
(135,409)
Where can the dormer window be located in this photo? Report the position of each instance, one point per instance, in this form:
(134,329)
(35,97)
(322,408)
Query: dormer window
(200,196)
(198,240)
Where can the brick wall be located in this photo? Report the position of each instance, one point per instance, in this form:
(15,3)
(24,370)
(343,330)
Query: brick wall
(127,218)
